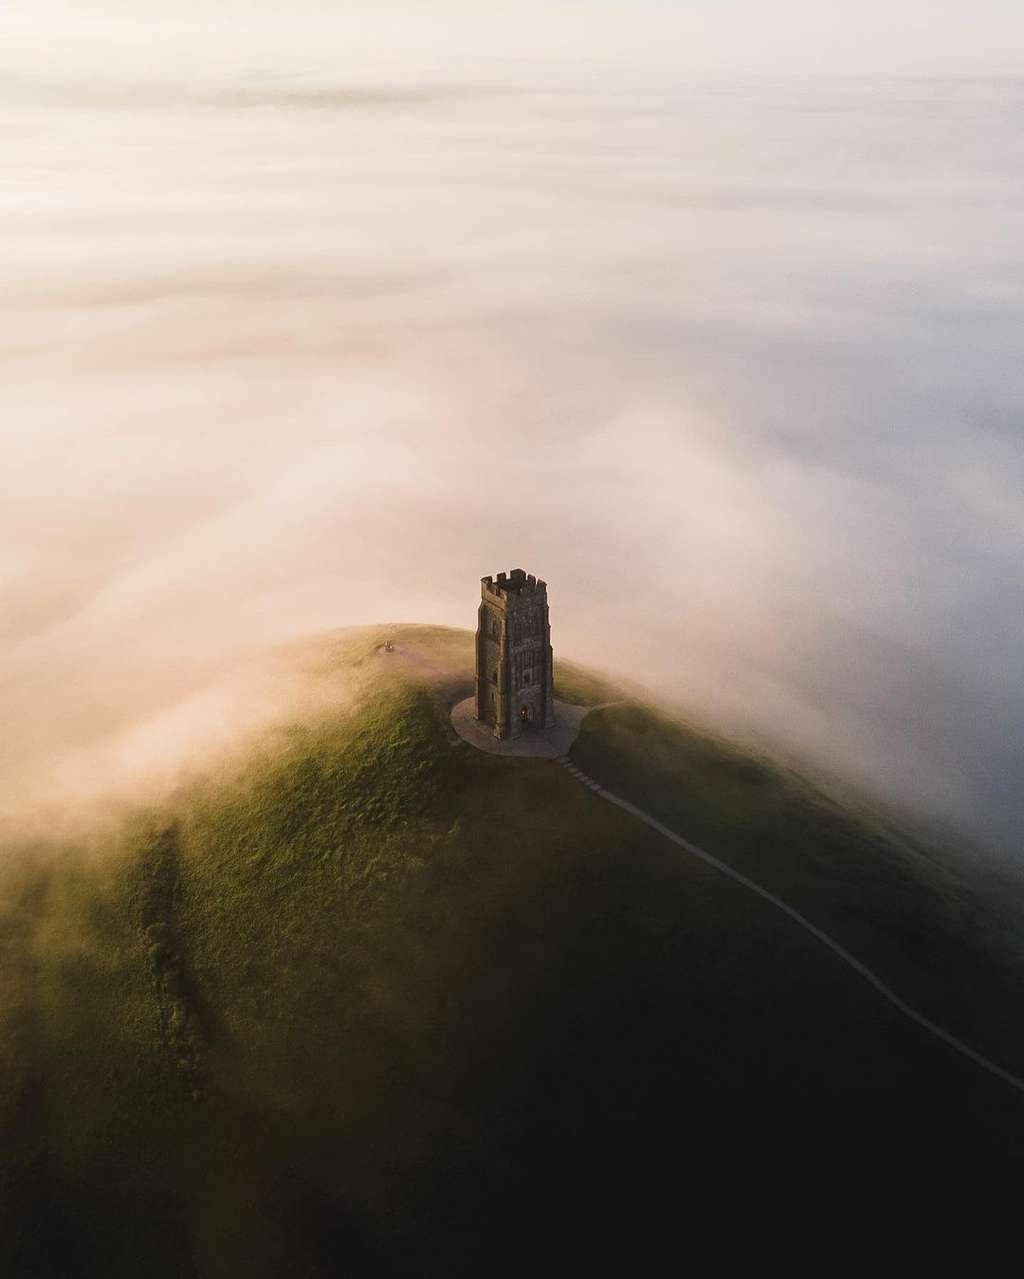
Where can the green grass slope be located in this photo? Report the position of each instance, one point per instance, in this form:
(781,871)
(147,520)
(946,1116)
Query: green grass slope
(942,929)
(364,1001)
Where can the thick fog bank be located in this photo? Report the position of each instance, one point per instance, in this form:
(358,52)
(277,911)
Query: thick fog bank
(736,366)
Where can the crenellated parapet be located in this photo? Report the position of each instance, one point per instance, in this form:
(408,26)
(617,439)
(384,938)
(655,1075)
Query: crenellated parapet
(510,588)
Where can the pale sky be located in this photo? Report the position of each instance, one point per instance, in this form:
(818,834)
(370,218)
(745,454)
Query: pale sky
(696,35)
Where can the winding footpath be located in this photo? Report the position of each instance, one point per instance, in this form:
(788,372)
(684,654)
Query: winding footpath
(932,1027)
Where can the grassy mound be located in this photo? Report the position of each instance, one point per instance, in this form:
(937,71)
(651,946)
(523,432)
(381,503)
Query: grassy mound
(365,1001)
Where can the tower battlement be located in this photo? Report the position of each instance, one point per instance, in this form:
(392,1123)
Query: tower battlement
(514,685)
(511,587)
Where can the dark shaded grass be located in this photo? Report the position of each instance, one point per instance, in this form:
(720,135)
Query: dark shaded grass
(924,920)
(455,1016)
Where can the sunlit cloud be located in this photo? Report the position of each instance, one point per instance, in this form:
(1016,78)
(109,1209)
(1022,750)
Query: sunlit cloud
(735,365)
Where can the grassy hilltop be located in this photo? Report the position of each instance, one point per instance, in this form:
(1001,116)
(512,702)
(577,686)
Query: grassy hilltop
(364,1001)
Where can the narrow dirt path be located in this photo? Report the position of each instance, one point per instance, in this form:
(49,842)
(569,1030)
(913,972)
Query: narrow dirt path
(885,991)
(187,1026)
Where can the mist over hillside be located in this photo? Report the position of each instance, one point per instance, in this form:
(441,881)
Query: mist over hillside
(360,998)
(298,341)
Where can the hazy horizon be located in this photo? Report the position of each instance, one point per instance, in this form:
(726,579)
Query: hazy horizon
(299,337)
(712,37)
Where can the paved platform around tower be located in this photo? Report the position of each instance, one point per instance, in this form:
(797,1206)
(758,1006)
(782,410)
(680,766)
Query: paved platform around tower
(542,743)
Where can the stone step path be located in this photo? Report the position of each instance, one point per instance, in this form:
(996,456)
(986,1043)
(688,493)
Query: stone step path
(579,774)
(933,1028)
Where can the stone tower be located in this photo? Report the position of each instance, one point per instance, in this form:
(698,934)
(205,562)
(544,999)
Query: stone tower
(513,655)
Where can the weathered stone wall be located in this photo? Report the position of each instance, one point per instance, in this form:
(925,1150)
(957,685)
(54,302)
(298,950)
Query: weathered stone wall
(514,657)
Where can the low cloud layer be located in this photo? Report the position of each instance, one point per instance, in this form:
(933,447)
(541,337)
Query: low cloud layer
(735,366)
